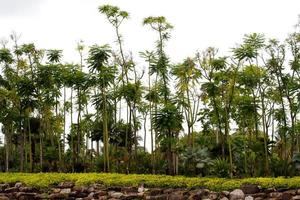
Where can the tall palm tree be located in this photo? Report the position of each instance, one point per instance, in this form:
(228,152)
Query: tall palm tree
(104,76)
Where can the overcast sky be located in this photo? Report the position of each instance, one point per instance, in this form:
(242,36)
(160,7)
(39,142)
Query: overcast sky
(198,23)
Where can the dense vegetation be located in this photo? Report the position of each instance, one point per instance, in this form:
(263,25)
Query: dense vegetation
(44,180)
(210,115)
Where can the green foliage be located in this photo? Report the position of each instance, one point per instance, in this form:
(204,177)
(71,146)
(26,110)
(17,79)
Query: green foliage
(221,167)
(167,121)
(43,180)
(219,115)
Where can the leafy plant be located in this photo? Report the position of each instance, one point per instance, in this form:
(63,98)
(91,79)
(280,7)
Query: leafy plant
(221,167)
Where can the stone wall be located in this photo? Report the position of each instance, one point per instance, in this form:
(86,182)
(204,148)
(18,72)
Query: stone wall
(67,190)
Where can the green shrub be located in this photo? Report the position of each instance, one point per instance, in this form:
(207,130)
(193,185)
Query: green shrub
(43,180)
(221,167)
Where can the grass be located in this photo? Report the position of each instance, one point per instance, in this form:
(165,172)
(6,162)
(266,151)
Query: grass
(44,180)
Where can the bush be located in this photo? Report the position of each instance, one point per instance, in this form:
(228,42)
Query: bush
(44,180)
(221,168)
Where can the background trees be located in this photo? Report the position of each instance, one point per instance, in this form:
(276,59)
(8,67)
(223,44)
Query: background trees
(220,115)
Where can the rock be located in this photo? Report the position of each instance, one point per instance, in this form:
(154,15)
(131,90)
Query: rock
(102,198)
(79,194)
(91,189)
(3,187)
(249,198)
(168,191)
(155,191)
(67,184)
(250,188)
(141,189)
(116,195)
(141,194)
(65,191)
(269,190)
(58,196)
(4,198)
(157,197)
(18,185)
(236,194)
(225,193)
(286,196)
(176,196)
(194,197)
(41,196)
(98,186)
(205,191)
(224,198)
(196,194)
(101,193)
(18,194)
(259,198)
(9,195)
(130,196)
(282,189)
(85,198)
(91,194)
(127,190)
(80,189)
(27,189)
(26,196)
(292,192)
(56,190)
(259,195)
(116,189)
(275,195)
(213,196)
(11,190)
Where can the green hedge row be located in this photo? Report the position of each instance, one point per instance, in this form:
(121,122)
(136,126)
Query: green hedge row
(44,180)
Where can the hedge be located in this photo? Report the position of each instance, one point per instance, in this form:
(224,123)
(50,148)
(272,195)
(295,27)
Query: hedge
(44,180)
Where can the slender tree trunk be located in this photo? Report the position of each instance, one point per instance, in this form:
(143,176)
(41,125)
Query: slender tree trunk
(285,126)
(135,132)
(21,151)
(30,146)
(97,147)
(273,131)
(229,142)
(59,155)
(265,133)
(64,136)
(78,125)
(219,126)
(170,155)
(7,143)
(151,133)
(25,147)
(145,131)
(150,118)
(71,134)
(105,134)
(189,118)
(41,152)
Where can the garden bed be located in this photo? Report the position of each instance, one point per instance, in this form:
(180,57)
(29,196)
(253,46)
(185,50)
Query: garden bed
(44,180)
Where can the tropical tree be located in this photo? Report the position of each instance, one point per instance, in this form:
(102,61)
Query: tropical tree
(104,76)
(168,122)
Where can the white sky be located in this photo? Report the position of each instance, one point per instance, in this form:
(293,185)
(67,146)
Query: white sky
(198,23)
(60,24)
